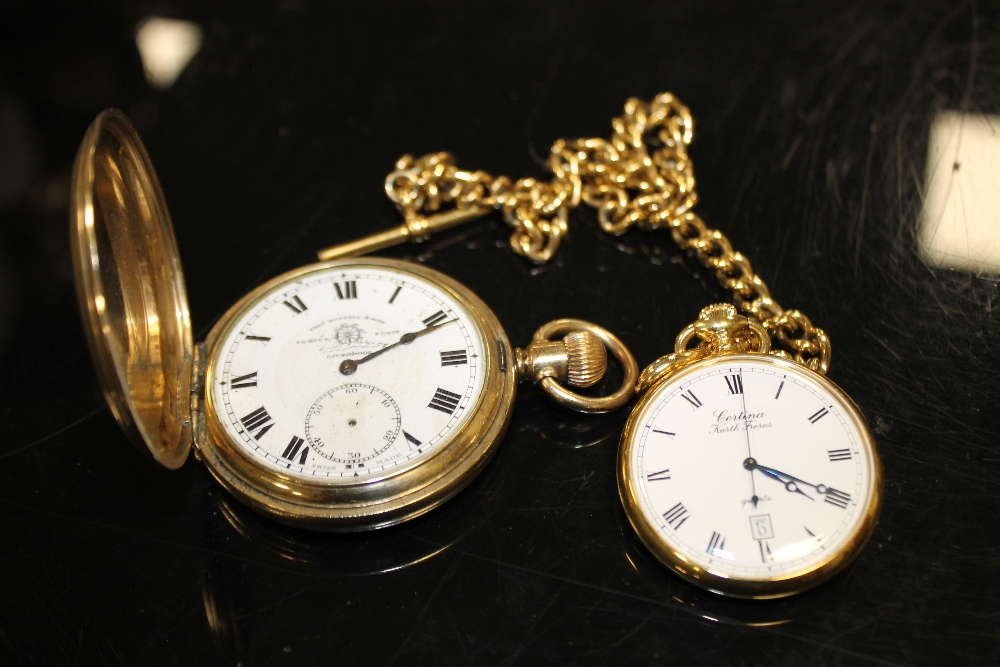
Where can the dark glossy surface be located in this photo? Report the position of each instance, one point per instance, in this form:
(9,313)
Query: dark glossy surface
(811,139)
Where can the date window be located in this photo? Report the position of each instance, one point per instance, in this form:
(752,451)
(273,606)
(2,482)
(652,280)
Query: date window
(760,526)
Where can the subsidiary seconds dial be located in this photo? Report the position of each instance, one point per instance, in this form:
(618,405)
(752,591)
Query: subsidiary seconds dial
(347,373)
(750,475)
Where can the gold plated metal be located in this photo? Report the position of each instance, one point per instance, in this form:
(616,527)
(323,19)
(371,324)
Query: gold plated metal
(787,583)
(642,177)
(132,297)
(542,363)
(579,359)
(405,492)
(719,330)
(415,229)
(130,289)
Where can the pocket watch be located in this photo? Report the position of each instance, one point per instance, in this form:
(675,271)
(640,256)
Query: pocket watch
(746,473)
(349,394)
(742,467)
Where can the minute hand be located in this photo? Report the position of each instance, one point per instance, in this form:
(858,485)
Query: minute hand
(348,366)
(791,483)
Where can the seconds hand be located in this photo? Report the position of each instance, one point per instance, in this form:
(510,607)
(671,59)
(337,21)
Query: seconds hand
(348,366)
(746,429)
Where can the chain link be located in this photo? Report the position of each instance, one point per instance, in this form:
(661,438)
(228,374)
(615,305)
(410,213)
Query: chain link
(642,177)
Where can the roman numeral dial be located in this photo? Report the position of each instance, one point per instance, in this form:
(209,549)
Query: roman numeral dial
(295,304)
(741,472)
(436,318)
(676,516)
(346,290)
(692,399)
(244,381)
(258,423)
(295,451)
(454,358)
(420,365)
(445,401)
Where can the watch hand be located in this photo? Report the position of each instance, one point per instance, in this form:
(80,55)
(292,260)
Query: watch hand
(791,482)
(348,366)
(753,484)
(790,485)
(820,488)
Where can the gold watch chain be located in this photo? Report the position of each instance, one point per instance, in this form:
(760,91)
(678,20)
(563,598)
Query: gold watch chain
(642,176)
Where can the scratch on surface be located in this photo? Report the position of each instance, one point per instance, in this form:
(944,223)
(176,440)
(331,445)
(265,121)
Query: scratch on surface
(423,610)
(882,343)
(638,626)
(276,605)
(859,231)
(527,637)
(641,598)
(55,433)
(153,538)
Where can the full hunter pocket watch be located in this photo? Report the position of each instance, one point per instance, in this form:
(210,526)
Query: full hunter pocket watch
(345,395)
(742,468)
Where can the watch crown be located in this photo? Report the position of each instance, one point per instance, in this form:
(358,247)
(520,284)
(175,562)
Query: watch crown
(579,359)
(718,310)
(587,360)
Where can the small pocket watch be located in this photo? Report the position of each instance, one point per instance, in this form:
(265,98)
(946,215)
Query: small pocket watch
(345,395)
(742,468)
(748,474)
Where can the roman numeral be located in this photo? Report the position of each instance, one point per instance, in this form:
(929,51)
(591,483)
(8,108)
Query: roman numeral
(297,307)
(656,430)
(454,358)
(395,294)
(410,439)
(658,476)
(676,516)
(262,339)
(691,398)
(819,414)
(349,291)
(735,383)
(445,401)
(258,419)
(836,498)
(839,454)
(292,450)
(780,387)
(435,318)
(244,381)
(765,551)
(717,543)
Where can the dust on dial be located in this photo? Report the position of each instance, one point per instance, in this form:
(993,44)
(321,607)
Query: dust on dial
(348,372)
(750,468)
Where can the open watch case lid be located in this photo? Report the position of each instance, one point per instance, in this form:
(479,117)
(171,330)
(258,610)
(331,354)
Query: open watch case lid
(130,289)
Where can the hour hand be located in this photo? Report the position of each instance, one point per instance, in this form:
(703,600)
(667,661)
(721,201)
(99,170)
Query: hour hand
(791,483)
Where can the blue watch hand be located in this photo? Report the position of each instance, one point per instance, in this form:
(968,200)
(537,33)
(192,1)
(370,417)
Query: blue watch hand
(791,482)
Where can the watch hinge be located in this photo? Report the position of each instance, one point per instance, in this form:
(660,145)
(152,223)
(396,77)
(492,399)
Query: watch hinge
(198,395)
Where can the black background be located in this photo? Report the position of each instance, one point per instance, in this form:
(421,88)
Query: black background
(811,139)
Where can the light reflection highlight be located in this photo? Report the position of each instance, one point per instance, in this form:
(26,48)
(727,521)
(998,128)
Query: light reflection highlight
(166,47)
(959,225)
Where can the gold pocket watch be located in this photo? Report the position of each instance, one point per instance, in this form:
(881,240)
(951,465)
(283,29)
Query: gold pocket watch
(746,473)
(742,468)
(345,395)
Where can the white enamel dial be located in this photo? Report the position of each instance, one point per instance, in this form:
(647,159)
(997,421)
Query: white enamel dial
(752,469)
(413,376)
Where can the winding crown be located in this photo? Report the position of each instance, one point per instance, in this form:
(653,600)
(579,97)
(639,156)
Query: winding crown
(587,360)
